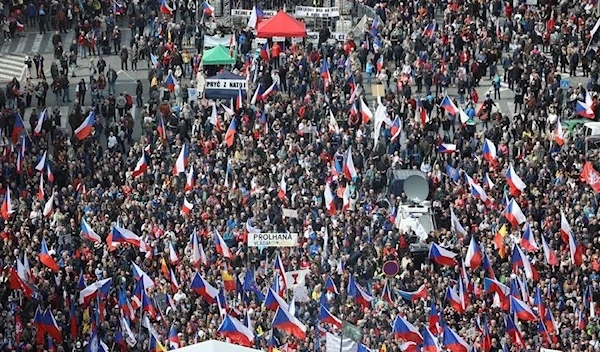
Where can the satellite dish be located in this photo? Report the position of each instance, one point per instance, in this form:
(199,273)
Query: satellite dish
(416,188)
(426,222)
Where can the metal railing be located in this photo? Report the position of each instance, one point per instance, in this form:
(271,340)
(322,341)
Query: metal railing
(362,9)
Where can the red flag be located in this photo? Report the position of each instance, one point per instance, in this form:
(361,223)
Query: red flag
(590,176)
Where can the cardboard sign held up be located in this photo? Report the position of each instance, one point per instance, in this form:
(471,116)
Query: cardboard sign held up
(377,90)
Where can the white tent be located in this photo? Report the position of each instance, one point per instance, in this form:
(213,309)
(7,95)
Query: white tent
(215,346)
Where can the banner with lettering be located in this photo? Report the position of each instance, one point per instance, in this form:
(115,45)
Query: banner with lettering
(323,12)
(272,239)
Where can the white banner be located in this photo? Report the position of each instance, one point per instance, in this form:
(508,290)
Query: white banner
(324,12)
(333,342)
(230,84)
(262,239)
(241,13)
(313,37)
(212,41)
(548,350)
(296,277)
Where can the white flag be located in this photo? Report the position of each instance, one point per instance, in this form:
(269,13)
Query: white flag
(296,278)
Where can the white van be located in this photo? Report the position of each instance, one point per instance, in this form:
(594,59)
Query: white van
(591,129)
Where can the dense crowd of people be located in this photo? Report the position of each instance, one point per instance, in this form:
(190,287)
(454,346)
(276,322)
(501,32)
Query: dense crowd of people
(244,163)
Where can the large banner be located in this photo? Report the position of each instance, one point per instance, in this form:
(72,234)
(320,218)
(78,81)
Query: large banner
(229,84)
(241,13)
(261,239)
(212,41)
(323,12)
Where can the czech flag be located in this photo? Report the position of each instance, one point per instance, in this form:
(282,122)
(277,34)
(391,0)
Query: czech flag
(46,259)
(495,286)
(230,134)
(165,9)
(119,9)
(187,207)
(265,52)
(565,228)
(18,127)
(395,129)
(514,214)
(434,318)
(348,168)
(441,256)
(520,260)
(513,331)
(97,289)
(198,255)
(379,63)
(140,167)
(239,102)
(20,27)
(585,108)
(87,233)
(174,340)
(330,286)
(549,253)
(489,152)
(515,184)
(204,289)
(430,342)
(456,301)
(455,224)
(448,105)
(403,329)
(221,246)
(474,255)
(236,332)
(325,74)
(421,292)
(182,160)
(285,321)
(326,317)
(386,294)
(273,301)
(255,17)
(559,136)
(446,148)
(453,342)
(575,251)
(41,163)
(85,129)
(7,208)
(40,122)
(528,240)
(189,179)
(269,91)
(429,30)
(141,275)
(207,8)
(160,128)
(487,181)
(365,112)
(358,293)
(121,235)
(48,324)
(422,113)
(170,81)
(521,310)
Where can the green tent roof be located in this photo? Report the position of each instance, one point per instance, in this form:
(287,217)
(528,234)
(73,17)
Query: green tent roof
(219,55)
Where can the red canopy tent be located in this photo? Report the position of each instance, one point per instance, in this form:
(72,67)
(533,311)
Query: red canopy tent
(281,25)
